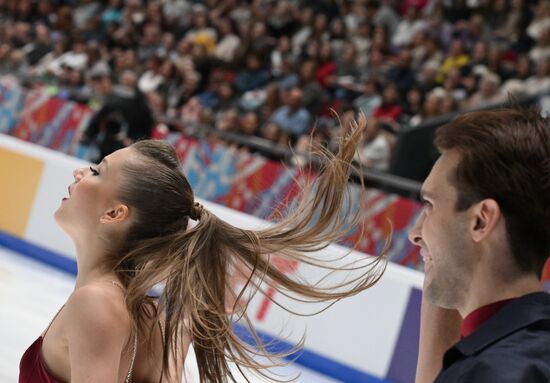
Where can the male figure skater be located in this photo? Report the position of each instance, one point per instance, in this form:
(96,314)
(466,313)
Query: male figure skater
(484,234)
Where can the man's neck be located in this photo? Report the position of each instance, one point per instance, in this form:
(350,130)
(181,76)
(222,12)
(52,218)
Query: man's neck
(488,292)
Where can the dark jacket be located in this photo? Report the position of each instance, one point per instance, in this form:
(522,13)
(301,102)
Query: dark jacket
(126,112)
(512,346)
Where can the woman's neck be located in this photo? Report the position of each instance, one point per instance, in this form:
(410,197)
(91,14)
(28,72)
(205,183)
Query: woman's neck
(91,264)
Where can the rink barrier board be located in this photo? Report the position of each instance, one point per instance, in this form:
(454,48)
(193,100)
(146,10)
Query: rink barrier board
(216,173)
(21,174)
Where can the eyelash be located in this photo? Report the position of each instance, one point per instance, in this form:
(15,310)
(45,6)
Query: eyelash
(426,204)
(94,171)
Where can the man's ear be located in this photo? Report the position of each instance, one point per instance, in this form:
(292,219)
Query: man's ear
(487,215)
(116,214)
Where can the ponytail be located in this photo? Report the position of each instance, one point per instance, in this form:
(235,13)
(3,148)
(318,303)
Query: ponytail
(196,264)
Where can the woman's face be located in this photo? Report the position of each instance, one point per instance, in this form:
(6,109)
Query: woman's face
(92,202)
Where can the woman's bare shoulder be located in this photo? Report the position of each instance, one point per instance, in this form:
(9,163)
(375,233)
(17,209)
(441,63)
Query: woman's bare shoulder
(97,308)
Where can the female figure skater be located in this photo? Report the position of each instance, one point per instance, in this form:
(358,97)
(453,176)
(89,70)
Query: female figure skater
(128,218)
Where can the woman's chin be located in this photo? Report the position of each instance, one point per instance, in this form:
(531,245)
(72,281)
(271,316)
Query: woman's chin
(60,220)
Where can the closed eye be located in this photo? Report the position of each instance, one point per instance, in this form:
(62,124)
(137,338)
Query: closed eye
(94,171)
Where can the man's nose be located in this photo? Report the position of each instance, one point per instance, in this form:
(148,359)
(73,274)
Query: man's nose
(415,235)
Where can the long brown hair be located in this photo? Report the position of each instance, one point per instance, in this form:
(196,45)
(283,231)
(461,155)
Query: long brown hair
(195,264)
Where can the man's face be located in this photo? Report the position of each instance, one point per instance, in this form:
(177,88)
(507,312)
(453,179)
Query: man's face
(442,233)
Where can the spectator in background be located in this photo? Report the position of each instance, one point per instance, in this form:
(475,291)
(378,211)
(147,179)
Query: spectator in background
(326,68)
(270,131)
(425,48)
(151,79)
(76,59)
(338,38)
(253,76)
(224,97)
(377,66)
(427,77)
(150,43)
(480,53)
(453,84)
(201,32)
(456,58)
(40,46)
(448,105)
(374,153)
(228,121)
(541,20)
(413,106)
(249,124)
(401,74)
(382,14)
(522,69)
(190,114)
(540,81)
(407,28)
(496,64)
(390,109)
(304,31)
(258,50)
(280,56)
(21,34)
(112,13)
(347,74)
(370,99)
(227,45)
(487,94)
(124,118)
(312,90)
(272,101)
(361,40)
(306,145)
(293,118)
(541,50)
(431,107)
(101,85)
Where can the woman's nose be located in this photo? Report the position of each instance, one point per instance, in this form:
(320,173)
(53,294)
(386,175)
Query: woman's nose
(77,174)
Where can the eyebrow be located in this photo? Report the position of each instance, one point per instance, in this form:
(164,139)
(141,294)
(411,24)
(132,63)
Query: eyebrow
(105,164)
(425,194)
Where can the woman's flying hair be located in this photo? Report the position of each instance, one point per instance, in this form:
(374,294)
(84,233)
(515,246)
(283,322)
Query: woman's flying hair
(195,264)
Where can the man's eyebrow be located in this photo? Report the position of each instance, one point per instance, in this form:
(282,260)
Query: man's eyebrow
(425,194)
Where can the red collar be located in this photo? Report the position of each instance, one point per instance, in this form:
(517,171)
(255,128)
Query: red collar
(477,317)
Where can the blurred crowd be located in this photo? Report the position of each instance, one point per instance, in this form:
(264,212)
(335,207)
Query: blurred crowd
(277,69)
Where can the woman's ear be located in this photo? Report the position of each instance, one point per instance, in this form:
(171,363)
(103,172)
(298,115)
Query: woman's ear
(117,214)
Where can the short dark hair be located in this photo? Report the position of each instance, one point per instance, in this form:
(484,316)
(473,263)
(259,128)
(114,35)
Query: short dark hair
(505,155)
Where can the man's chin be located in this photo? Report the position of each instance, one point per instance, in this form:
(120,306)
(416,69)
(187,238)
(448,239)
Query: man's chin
(436,297)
